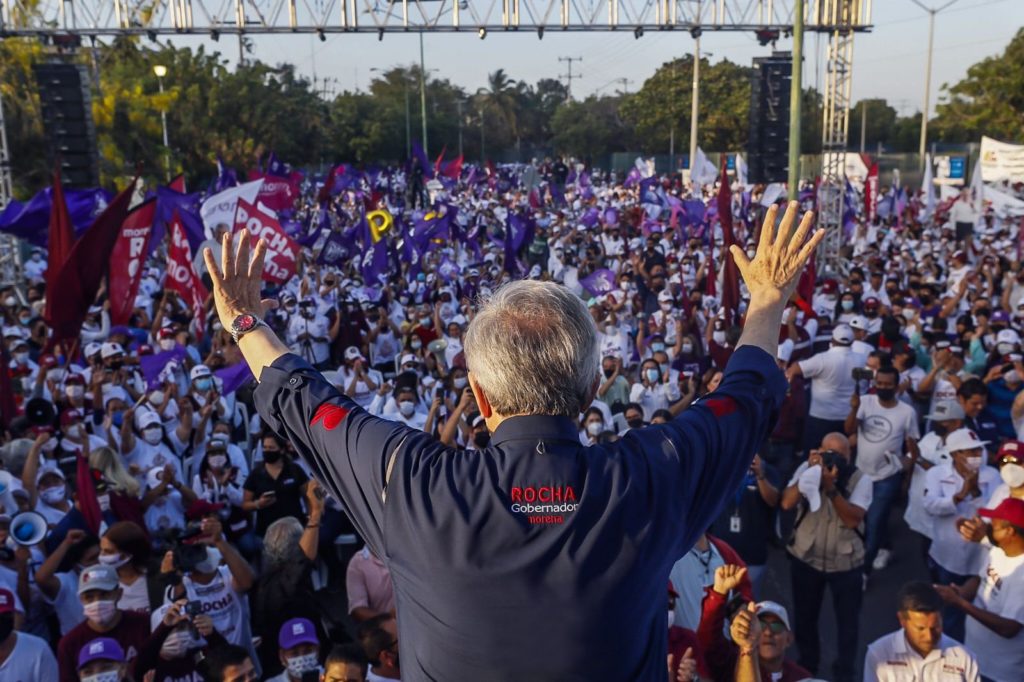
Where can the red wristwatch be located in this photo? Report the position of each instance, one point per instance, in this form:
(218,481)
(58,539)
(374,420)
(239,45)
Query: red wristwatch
(243,324)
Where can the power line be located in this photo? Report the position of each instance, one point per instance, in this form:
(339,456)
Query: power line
(569,76)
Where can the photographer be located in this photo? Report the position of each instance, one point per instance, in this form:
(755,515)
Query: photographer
(827,549)
(179,638)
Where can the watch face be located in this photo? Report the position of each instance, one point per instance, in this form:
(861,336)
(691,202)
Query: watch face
(244,323)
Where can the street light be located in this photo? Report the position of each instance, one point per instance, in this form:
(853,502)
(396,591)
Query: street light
(928,72)
(160,71)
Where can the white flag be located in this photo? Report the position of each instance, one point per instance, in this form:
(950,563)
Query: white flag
(702,171)
(929,187)
(741,171)
(977,188)
(220,208)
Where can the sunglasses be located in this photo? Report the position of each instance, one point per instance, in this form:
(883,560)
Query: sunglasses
(773,626)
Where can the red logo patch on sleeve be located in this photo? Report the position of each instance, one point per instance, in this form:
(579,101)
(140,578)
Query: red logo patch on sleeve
(329,416)
(720,407)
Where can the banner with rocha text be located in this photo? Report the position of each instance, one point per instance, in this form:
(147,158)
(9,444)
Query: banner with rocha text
(282,251)
(127,259)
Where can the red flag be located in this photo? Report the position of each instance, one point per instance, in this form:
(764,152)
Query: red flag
(440,158)
(8,405)
(61,240)
(871,193)
(805,287)
(324,195)
(178,184)
(731,276)
(282,251)
(79,279)
(127,258)
(85,489)
(277,194)
(182,276)
(453,169)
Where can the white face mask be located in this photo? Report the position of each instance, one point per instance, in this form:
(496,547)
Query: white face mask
(973,463)
(153,435)
(211,562)
(460,383)
(1012,377)
(718,337)
(105,676)
(1012,475)
(74,392)
(167,344)
(21,358)
(299,665)
(54,495)
(407,407)
(114,560)
(100,612)
(50,445)
(217,461)
(1004,348)
(595,428)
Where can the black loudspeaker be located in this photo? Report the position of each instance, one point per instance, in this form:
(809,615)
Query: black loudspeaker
(768,143)
(67,121)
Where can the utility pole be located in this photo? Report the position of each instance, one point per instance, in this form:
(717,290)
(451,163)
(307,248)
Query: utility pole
(423,97)
(569,76)
(483,157)
(796,98)
(458,105)
(625,84)
(928,74)
(863,122)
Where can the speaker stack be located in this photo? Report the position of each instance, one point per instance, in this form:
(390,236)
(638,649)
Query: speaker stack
(67,121)
(768,145)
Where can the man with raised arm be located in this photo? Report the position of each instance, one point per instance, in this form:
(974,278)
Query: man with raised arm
(536,557)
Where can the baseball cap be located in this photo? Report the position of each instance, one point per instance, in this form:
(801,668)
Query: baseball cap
(352,353)
(98,577)
(295,632)
(109,350)
(871,302)
(217,442)
(147,418)
(946,410)
(1007,336)
(859,322)
(964,439)
(101,649)
(773,608)
(409,358)
(48,469)
(1011,449)
(665,296)
(69,415)
(842,335)
(92,349)
(1000,316)
(201,508)
(829,286)
(6,601)
(199,371)
(1010,510)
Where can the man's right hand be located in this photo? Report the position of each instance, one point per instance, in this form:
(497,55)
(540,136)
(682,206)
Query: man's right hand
(728,578)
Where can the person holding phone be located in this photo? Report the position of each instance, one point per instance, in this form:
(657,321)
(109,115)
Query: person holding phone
(180,638)
(275,487)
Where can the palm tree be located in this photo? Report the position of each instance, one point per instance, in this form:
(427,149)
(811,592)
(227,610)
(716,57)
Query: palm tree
(500,98)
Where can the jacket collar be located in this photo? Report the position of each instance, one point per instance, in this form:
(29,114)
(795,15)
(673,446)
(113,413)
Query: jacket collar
(536,428)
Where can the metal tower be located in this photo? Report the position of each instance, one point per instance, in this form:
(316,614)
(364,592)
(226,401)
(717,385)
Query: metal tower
(10,257)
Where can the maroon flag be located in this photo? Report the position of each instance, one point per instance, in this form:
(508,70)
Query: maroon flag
(871,193)
(61,241)
(182,276)
(127,258)
(731,274)
(282,251)
(8,405)
(79,279)
(178,184)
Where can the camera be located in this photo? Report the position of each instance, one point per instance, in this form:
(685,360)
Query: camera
(188,552)
(193,608)
(831,458)
(863,374)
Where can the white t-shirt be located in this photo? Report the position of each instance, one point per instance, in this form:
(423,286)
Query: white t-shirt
(1001,592)
(316,328)
(66,604)
(948,548)
(225,607)
(30,660)
(135,597)
(891,659)
(881,435)
(932,449)
(832,385)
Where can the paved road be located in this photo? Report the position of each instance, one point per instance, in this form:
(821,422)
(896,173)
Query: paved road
(878,614)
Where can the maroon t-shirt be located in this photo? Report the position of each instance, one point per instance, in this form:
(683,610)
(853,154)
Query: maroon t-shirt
(131,633)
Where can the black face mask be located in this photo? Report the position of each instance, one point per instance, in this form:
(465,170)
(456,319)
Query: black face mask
(116,364)
(6,626)
(940,430)
(271,456)
(635,423)
(608,373)
(481,439)
(885,394)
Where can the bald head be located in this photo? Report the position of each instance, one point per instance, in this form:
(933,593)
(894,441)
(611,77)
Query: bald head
(838,442)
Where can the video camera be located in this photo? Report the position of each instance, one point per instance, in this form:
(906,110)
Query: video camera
(188,551)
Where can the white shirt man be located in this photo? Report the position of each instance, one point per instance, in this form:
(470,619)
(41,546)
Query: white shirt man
(881,434)
(932,452)
(316,331)
(892,659)
(831,375)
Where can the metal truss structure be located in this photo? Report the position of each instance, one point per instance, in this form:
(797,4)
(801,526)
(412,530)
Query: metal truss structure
(56,18)
(835,129)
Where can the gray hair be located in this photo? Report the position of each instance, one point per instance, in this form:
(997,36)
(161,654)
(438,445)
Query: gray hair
(532,349)
(281,541)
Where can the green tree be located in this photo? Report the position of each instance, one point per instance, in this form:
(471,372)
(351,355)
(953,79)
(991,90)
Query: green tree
(880,119)
(589,129)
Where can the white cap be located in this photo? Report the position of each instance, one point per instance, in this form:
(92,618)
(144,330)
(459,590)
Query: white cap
(407,358)
(785,351)
(14,331)
(146,418)
(665,296)
(352,353)
(842,334)
(199,371)
(774,608)
(809,485)
(459,320)
(1007,336)
(964,439)
(946,410)
(109,350)
(859,322)
(92,348)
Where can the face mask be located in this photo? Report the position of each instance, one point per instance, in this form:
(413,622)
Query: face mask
(114,560)
(481,439)
(667,307)
(416,345)
(635,423)
(290,309)
(1012,475)
(167,344)
(217,461)
(10,301)
(718,337)
(106,676)
(1004,348)
(652,374)
(885,394)
(624,286)
(54,495)
(50,445)
(1012,377)
(24,320)
(176,644)
(299,665)
(20,358)
(595,428)
(210,563)
(407,407)
(686,348)
(100,612)
(672,614)
(973,463)
(6,626)
(425,321)
(846,304)
(271,456)
(203,385)
(153,435)
(117,418)
(460,382)
(157,398)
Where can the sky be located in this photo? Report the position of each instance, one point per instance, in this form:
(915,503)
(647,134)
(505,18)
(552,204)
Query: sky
(889,62)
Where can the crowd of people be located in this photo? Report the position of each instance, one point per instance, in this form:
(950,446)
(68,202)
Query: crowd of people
(175,537)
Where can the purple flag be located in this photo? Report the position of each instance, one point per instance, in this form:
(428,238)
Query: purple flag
(30,220)
(611,216)
(154,366)
(599,282)
(591,217)
(276,167)
(334,251)
(419,157)
(226,178)
(187,205)
(518,231)
(234,377)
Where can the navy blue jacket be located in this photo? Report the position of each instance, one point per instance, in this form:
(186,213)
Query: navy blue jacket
(537,558)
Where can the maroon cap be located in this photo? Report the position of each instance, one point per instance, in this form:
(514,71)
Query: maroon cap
(1011,448)
(870,302)
(201,508)
(70,415)
(6,601)
(1010,510)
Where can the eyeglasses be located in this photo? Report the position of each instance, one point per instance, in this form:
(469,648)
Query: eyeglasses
(774,626)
